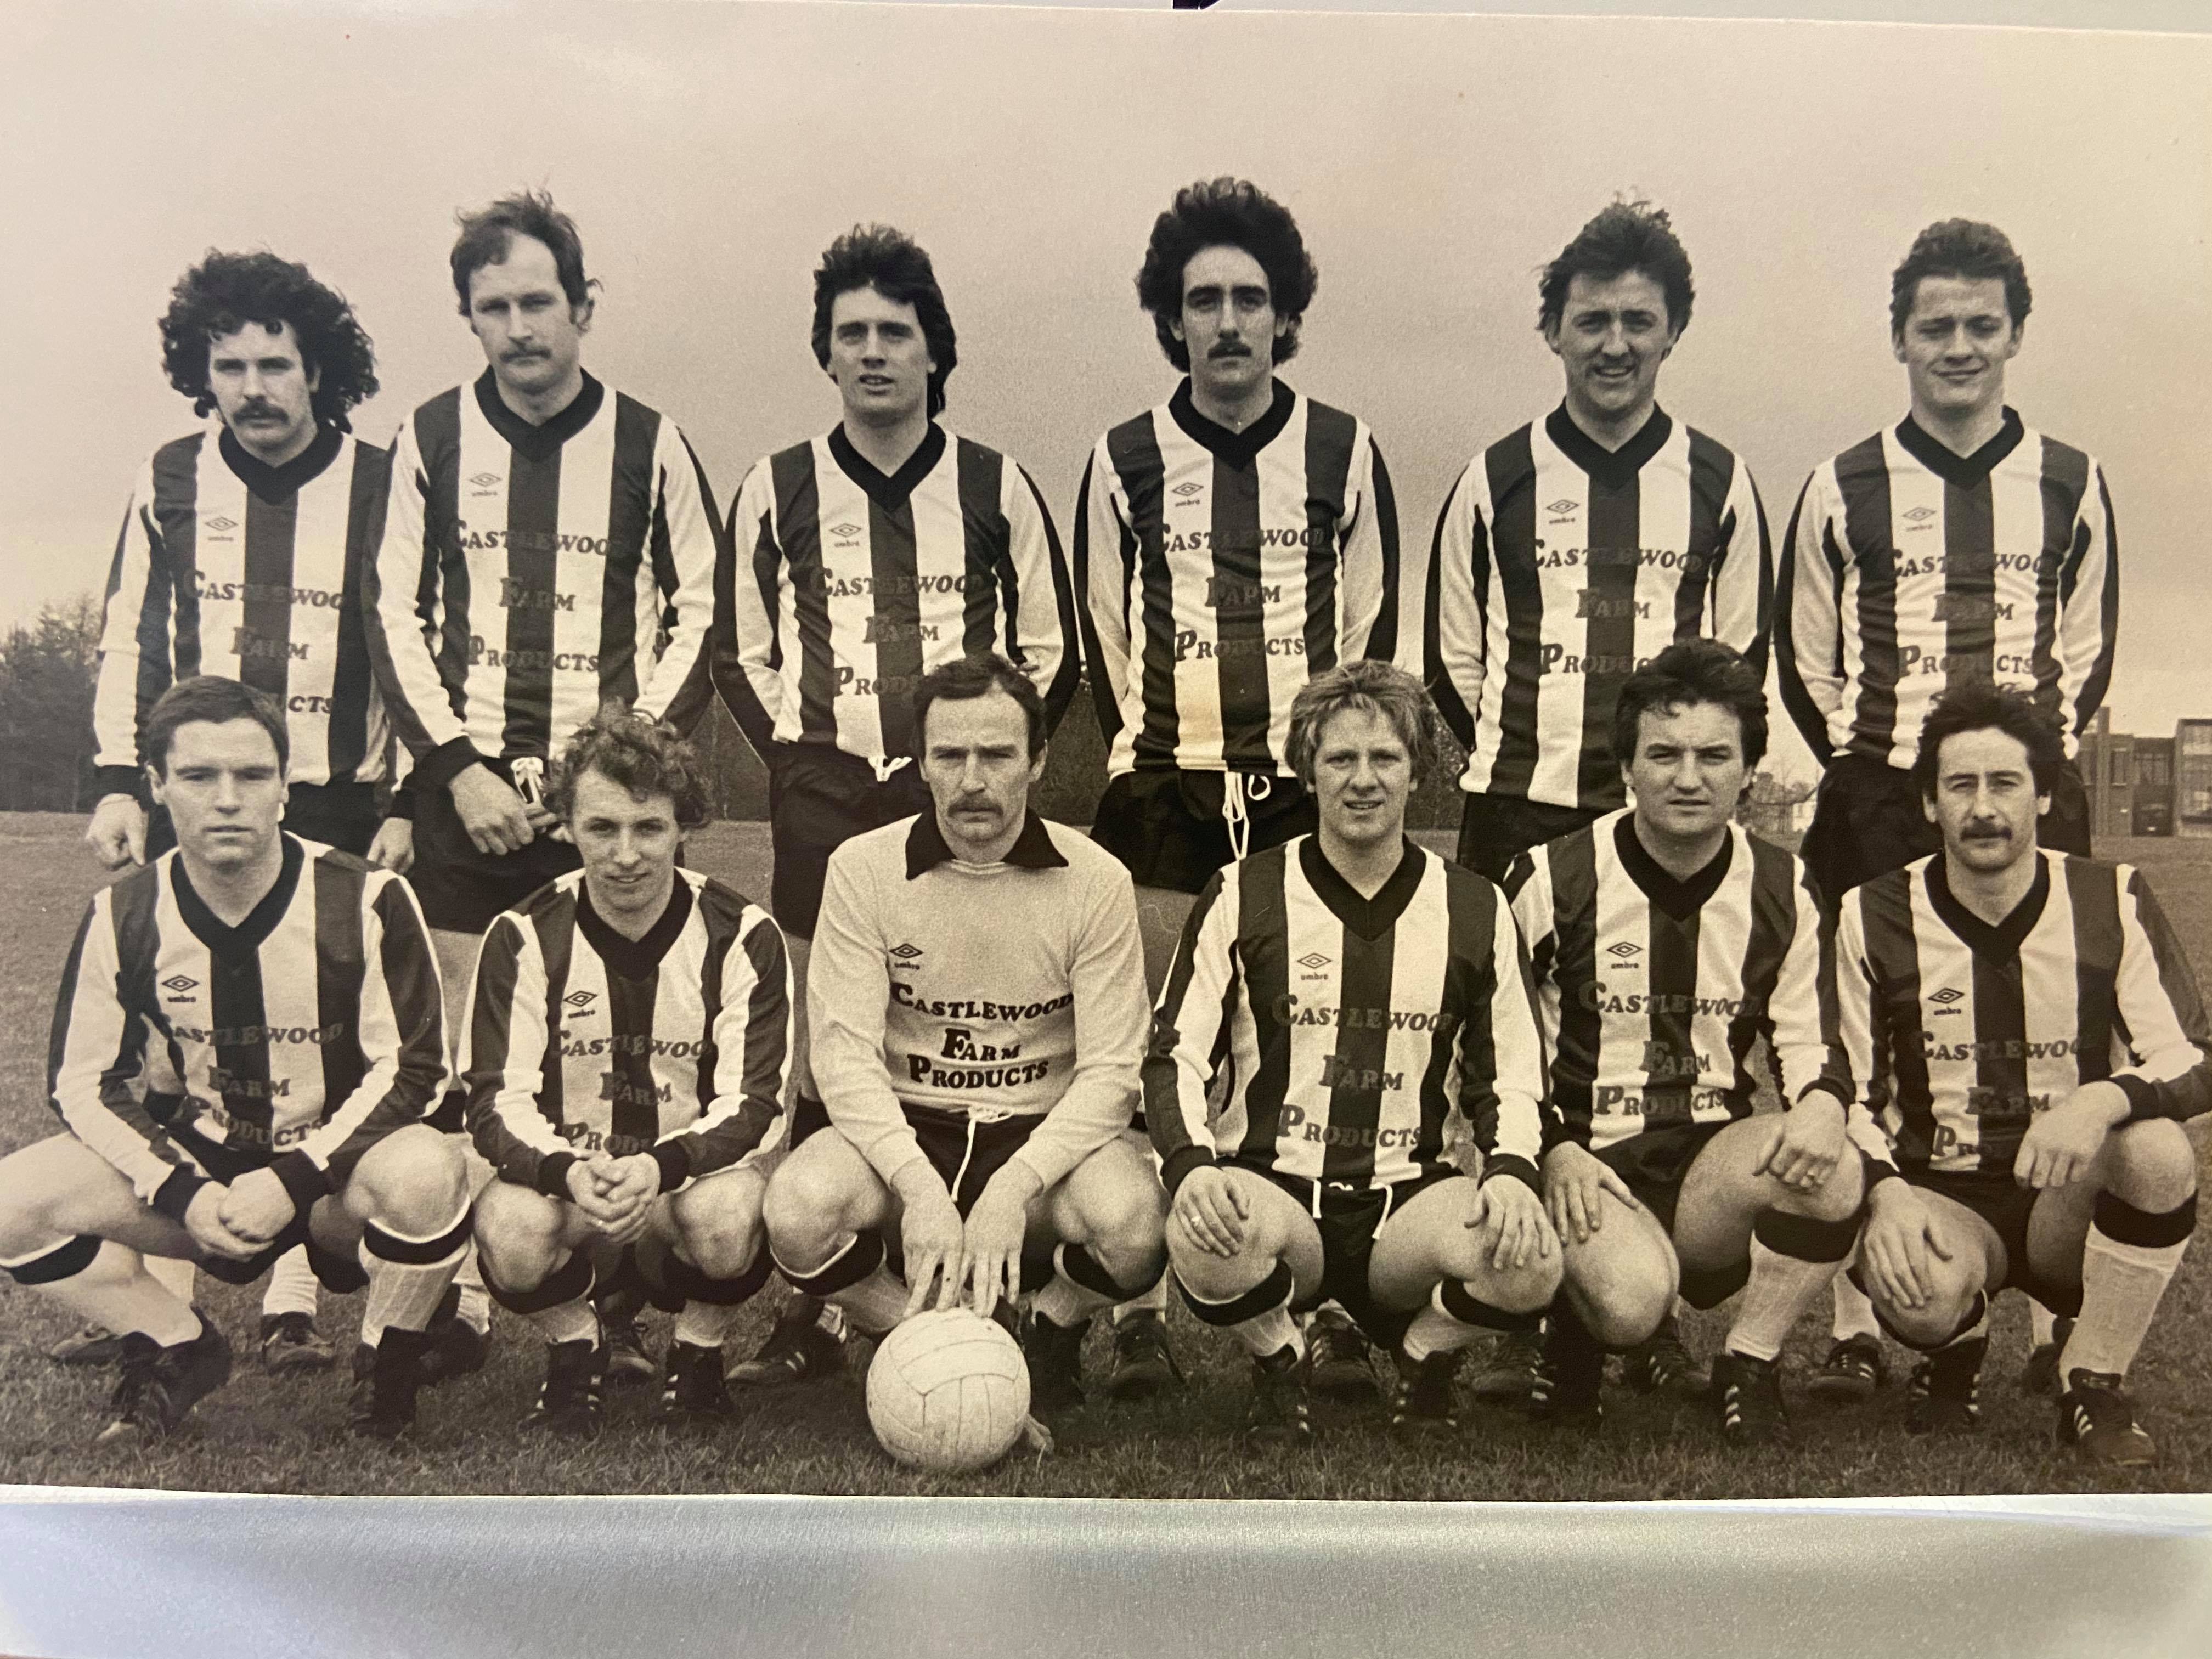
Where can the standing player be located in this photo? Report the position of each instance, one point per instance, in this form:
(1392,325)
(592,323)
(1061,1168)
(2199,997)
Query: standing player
(666,998)
(1570,553)
(1350,991)
(1231,544)
(2032,1034)
(978,1013)
(1960,544)
(245,1042)
(241,554)
(863,560)
(1666,943)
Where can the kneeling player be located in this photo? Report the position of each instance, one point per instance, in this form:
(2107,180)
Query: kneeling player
(282,1002)
(2032,1034)
(977,1003)
(1665,941)
(1354,991)
(630,1030)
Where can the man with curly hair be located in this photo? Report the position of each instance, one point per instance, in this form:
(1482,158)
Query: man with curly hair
(241,555)
(1231,544)
(637,1152)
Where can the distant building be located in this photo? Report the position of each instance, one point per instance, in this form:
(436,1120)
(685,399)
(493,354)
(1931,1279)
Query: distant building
(1780,812)
(2149,786)
(2192,769)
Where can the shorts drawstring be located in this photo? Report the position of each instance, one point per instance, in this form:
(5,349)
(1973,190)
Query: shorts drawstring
(1238,788)
(968,1156)
(887,764)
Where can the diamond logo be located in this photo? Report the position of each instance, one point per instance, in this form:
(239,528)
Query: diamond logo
(905,953)
(1188,490)
(578,999)
(1921,514)
(1562,506)
(484,480)
(1625,949)
(1313,960)
(844,530)
(1947,996)
(179,984)
(222,524)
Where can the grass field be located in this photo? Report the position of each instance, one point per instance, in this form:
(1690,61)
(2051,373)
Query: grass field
(258,1435)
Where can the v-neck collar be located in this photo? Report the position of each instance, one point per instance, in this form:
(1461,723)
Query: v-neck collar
(539,443)
(246,937)
(1999,941)
(1965,471)
(278,484)
(1368,918)
(1032,849)
(1680,898)
(1610,467)
(888,490)
(633,958)
(1239,449)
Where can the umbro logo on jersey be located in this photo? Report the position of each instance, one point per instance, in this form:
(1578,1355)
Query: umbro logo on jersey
(1946,1000)
(179,984)
(1562,506)
(1314,960)
(580,999)
(1189,489)
(1920,515)
(484,480)
(906,954)
(845,530)
(1625,949)
(221,525)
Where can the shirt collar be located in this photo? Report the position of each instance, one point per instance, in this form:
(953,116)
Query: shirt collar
(1680,897)
(1997,941)
(887,490)
(634,958)
(1370,918)
(1966,472)
(538,442)
(276,484)
(1032,848)
(1239,449)
(1610,467)
(260,922)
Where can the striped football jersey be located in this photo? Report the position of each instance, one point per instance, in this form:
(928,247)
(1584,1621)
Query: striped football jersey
(845,587)
(1558,569)
(228,566)
(1908,569)
(526,574)
(1654,990)
(1223,570)
(580,1040)
(301,1036)
(1346,1031)
(1962,1031)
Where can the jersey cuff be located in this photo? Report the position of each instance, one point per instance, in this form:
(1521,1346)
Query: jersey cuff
(118,781)
(2144,1098)
(1876,1171)
(1178,1164)
(553,1175)
(1507,1163)
(174,1196)
(1828,1086)
(303,1182)
(444,763)
(674,1158)
(402,804)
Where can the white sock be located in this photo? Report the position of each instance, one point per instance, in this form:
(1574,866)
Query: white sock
(1854,1313)
(1434,1330)
(174,1274)
(113,1289)
(475,1301)
(2121,1285)
(1153,1303)
(707,1324)
(571,1322)
(404,1290)
(1067,1302)
(2042,1324)
(293,1287)
(1780,1289)
(874,1304)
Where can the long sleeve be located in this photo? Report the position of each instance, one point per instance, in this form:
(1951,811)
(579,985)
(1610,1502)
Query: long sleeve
(1178,1067)
(751,1059)
(1041,621)
(1374,593)
(2162,1012)
(1453,627)
(399,609)
(1808,621)
(1743,589)
(746,653)
(1864,1033)
(847,987)
(503,1066)
(1805,1024)
(1528,885)
(1103,550)
(686,542)
(1505,1109)
(1106,978)
(2089,602)
(135,657)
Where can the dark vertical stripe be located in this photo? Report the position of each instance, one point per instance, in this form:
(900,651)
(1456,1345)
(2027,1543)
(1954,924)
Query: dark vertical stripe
(1862,475)
(1970,581)
(173,528)
(1894,954)
(1161,1077)
(1102,690)
(2093,900)
(1573,866)
(58,1033)
(1616,540)
(987,542)
(1998,1096)
(1812,725)
(1355,1070)
(369,489)
(1670,1054)
(798,521)
(1062,690)
(529,591)
(635,514)
(768,1013)
(721,927)
(1773,902)
(263,643)
(340,970)
(556,922)
(688,701)
(1383,640)
(1329,436)
(895,630)
(1713,471)
(1464,1028)
(2062,480)
(1510,467)
(2092,697)
(409,967)
(628,1085)
(1437,672)
(238,1013)
(444,575)
(492,1018)
(1238,601)
(1262,951)
(1135,452)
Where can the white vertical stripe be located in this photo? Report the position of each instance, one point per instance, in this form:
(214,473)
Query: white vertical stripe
(1313,946)
(1421,952)
(1724,928)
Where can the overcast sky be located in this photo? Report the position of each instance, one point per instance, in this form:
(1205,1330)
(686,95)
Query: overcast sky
(710,151)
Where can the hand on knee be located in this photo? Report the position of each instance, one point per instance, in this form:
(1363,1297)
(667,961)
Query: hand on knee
(1213,1277)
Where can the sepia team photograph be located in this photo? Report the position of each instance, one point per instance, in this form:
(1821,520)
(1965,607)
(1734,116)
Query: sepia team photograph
(845,750)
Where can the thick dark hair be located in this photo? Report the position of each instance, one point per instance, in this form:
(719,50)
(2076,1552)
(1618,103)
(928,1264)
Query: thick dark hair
(1982,705)
(1959,248)
(225,292)
(1377,687)
(646,757)
(891,263)
(213,699)
(1624,236)
(1226,213)
(487,235)
(974,676)
(1693,672)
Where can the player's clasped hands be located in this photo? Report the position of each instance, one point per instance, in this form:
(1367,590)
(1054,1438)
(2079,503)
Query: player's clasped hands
(256,1208)
(1807,1143)
(1574,1178)
(1511,1218)
(1211,1212)
(615,1195)
(203,1221)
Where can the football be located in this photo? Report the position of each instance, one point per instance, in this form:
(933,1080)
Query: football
(948,1391)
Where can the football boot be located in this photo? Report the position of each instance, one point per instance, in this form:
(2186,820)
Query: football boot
(2040,1374)
(1854,1368)
(1338,1363)
(1508,1372)
(159,1386)
(800,1348)
(1660,1365)
(291,1342)
(2095,1418)
(692,1386)
(571,1399)
(1421,1408)
(1746,1393)
(1054,1353)
(89,1344)
(1281,1412)
(1945,1394)
(384,1381)
(1143,1365)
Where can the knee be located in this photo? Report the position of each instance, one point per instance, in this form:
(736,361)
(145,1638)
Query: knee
(1123,1221)
(720,1230)
(1216,1278)
(802,1210)
(1623,1291)
(518,1231)
(25,1201)
(2152,1164)
(415,1177)
(1525,1289)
